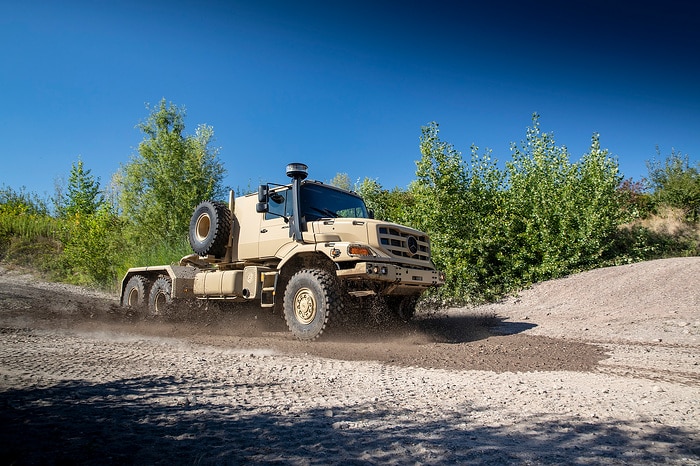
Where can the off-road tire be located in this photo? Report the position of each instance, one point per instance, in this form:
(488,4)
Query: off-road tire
(403,307)
(136,292)
(160,299)
(311,300)
(210,227)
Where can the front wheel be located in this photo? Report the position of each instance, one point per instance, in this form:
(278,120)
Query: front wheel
(160,300)
(311,298)
(404,307)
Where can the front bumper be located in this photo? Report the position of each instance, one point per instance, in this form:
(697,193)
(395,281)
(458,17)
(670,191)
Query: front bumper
(392,273)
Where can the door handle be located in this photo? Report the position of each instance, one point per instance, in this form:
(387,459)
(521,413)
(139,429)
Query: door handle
(264,230)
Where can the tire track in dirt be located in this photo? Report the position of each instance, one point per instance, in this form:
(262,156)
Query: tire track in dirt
(163,395)
(80,380)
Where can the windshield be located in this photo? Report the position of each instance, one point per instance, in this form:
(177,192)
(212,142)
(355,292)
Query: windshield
(323,202)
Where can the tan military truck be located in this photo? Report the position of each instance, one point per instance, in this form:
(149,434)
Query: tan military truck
(305,248)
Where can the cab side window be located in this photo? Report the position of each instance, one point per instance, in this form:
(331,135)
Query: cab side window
(280,204)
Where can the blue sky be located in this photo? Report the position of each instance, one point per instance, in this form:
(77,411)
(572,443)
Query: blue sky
(342,86)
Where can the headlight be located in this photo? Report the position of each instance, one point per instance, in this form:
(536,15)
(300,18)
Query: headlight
(377,269)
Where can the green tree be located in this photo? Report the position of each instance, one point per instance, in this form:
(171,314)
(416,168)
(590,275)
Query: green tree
(455,203)
(561,216)
(83,195)
(342,181)
(393,205)
(598,207)
(170,175)
(674,182)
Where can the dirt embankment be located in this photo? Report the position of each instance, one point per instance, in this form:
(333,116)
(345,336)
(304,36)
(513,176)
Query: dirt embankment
(600,367)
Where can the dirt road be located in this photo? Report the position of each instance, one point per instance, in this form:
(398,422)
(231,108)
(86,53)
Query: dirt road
(598,368)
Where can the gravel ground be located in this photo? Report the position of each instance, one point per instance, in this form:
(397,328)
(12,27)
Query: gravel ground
(597,368)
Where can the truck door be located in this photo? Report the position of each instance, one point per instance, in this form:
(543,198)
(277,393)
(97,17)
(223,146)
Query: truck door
(274,229)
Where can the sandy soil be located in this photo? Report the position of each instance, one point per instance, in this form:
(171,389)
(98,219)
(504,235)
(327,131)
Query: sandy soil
(598,368)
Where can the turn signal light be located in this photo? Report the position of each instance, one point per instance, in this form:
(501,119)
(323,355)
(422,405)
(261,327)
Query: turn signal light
(358,250)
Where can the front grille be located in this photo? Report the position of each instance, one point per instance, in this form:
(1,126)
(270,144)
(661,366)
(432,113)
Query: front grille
(397,242)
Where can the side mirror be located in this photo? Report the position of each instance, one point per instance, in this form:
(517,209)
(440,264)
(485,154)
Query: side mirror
(262,207)
(263,193)
(370,213)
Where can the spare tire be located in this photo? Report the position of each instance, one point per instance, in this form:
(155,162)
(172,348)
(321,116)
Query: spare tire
(210,227)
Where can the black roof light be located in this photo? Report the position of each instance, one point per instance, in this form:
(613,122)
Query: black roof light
(297,170)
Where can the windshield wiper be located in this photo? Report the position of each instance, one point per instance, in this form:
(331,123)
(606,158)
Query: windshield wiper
(327,212)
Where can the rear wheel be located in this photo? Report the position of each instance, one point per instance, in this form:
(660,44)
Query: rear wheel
(160,299)
(311,298)
(136,292)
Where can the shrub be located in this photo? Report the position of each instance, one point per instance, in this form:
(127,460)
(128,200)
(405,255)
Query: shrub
(496,230)
(675,183)
(93,249)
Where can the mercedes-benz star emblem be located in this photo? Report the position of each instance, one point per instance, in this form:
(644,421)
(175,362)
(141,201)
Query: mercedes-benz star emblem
(412,244)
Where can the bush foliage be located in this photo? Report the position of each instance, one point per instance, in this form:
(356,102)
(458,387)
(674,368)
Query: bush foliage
(675,183)
(497,228)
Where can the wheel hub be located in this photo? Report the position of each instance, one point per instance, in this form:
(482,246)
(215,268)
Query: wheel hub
(133,297)
(304,306)
(202,227)
(160,302)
